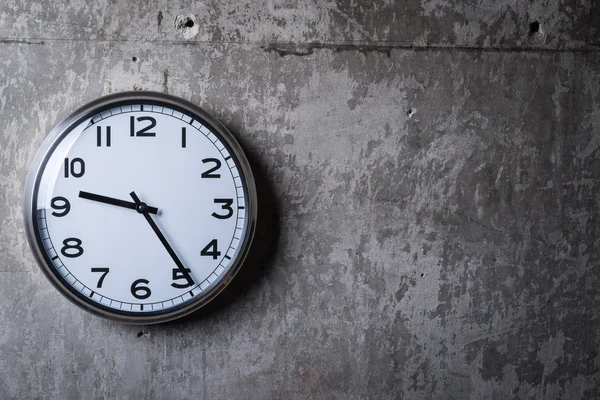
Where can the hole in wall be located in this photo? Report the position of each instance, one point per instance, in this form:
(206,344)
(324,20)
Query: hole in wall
(134,59)
(186,25)
(534,27)
(189,23)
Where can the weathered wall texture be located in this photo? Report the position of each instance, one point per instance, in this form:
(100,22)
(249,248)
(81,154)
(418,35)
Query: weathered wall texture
(431,171)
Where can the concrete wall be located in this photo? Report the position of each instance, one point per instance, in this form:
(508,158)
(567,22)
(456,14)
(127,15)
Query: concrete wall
(430,176)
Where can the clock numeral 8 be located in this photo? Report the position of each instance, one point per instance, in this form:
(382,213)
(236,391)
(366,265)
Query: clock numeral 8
(68,248)
(136,289)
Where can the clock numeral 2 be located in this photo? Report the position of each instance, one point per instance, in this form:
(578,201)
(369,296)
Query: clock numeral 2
(136,289)
(215,253)
(99,136)
(209,173)
(104,273)
(226,206)
(177,275)
(68,248)
(144,131)
(75,168)
(56,204)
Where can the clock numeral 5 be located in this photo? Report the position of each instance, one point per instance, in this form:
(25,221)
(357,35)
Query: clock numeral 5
(104,273)
(144,131)
(226,206)
(76,168)
(136,289)
(209,173)
(208,252)
(72,250)
(60,203)
(177,275)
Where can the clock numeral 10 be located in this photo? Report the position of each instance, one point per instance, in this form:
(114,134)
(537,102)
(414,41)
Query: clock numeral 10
(75,168)
(211,250)
(140,292)
(144,131)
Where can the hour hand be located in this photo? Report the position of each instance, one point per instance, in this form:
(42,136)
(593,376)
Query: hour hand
(114,202)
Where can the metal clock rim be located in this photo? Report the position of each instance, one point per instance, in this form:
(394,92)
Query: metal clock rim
(62,129)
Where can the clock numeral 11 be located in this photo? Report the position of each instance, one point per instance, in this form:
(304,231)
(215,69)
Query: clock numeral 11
(99,136)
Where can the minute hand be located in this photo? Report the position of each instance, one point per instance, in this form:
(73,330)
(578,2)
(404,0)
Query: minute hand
(142,208)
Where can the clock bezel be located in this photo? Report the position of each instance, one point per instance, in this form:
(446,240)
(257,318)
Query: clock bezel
(62,130)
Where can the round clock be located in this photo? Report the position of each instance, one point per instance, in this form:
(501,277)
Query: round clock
(140,207)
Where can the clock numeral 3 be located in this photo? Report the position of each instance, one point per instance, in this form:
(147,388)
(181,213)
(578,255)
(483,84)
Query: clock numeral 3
(226,206)
(60,203)
(104,272)
(209,173)
(76,168)
(72,250)
(177,275)
(208,252)
(144,131)
(136,289)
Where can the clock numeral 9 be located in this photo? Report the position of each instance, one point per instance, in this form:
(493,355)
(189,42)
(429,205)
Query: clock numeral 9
(209,173)
(136,289)
(226,206)
(60,203)
(76,168)
(177,275)
(144,131)
(208,252)
(72,250)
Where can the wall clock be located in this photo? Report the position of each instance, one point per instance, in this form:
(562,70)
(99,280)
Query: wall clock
(140,207)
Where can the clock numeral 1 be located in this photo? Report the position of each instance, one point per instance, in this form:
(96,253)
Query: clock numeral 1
(144,131)
(72,250)
(215,253)
(104,273)
(183,138)
(136,289)
(209,173)
(60,203)
(75,168)
(177,275)
(99,136)
(226,206)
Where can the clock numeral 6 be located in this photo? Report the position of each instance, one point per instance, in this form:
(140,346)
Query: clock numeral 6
(60,203)
(208,252)
(104,272)
(144,131)
(209,173)
(136,289)
(75,168)
(226,206)
(72,250)
(177,275)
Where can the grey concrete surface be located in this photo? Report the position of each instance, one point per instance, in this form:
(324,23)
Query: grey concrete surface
(430,174)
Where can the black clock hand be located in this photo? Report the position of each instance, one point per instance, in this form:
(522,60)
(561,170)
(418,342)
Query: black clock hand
(114,202)
(142,208)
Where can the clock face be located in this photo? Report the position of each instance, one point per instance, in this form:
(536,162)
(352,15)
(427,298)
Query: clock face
(140,207)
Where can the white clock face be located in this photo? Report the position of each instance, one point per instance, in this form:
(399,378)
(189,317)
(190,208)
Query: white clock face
(141,209)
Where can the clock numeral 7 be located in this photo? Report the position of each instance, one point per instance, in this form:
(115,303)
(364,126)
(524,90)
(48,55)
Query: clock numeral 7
(144,131)
(214,253)
(104,273)
(177,275)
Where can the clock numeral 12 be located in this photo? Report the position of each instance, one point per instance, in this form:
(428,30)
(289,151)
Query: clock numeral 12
(144,131)
(75,168)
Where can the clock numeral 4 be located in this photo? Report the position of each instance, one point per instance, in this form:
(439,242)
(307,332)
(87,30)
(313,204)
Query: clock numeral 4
(211,250)
(74,168)
(72,250)
(99,136)
(226,206)
(104,273)
(140,292)
(177,275)
(209,173)
(60,203)
(144,131)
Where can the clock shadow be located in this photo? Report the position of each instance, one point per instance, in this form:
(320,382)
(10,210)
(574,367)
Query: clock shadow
(260,255)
